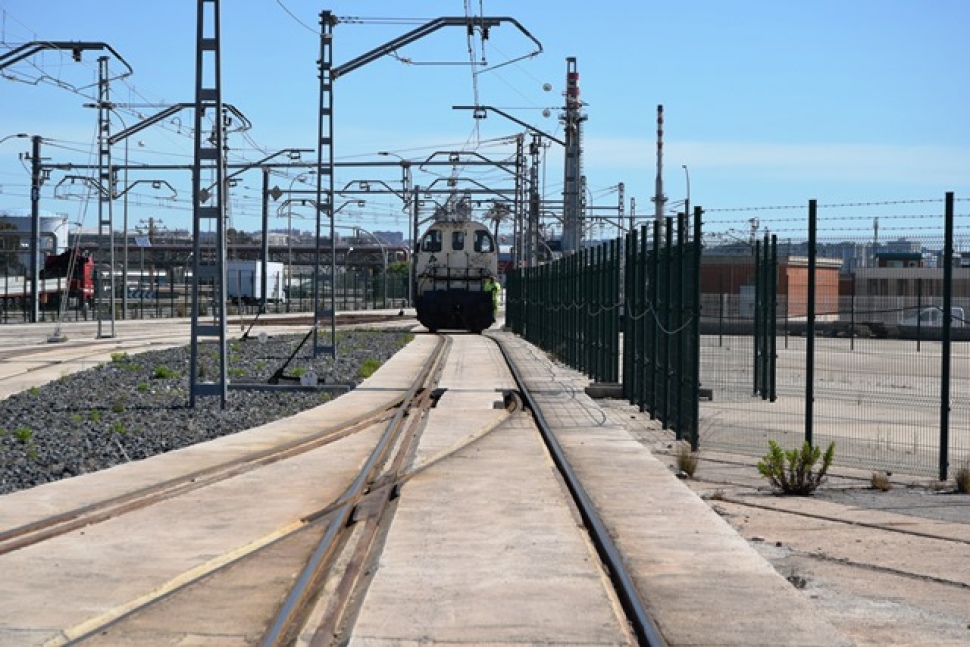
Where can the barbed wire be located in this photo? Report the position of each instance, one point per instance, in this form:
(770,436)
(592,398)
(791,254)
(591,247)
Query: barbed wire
(833,205)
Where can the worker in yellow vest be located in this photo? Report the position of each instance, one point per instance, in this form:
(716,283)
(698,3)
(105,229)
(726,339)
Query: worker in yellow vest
(491,285)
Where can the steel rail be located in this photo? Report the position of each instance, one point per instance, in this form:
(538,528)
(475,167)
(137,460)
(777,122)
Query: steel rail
(60,524)
(643,625)
(293,606)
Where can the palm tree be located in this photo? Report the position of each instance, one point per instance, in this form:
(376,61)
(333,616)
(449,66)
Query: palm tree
(498,213)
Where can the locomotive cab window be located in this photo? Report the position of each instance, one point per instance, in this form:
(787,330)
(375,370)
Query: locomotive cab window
(457,241)
(483,242)
(432,241)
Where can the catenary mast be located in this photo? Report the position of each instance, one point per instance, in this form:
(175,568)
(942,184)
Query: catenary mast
(572,118)
(659,199)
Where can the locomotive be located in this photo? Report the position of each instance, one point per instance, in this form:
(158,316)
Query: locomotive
(79,267)
(454,260)
(69,274)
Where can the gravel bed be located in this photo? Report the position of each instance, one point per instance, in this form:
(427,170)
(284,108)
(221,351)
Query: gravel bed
(135,407)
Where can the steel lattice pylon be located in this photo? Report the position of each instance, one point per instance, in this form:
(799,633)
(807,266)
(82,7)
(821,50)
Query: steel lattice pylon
(208,204)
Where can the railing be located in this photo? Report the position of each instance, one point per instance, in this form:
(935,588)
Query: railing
(154,297)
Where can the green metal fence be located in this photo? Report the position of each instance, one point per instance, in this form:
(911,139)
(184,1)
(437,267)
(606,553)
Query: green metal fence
(572,307)
(815,339)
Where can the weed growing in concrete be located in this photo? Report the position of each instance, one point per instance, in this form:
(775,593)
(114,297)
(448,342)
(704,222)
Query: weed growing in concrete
(793,471)
(686,459)
(880,481)
(963,478)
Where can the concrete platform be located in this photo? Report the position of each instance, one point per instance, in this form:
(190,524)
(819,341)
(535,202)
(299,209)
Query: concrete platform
(505,558)
(504,565)
(702,582)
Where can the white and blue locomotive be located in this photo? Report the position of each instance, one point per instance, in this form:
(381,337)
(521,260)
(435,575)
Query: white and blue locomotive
(454,261)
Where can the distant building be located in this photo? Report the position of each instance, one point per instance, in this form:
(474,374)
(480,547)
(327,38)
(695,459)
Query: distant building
(15,232)
(732,275)
(391,237)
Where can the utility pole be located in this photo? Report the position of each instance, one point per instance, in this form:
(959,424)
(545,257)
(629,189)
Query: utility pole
(659,199)
(620,206)
(36,179)
(573,118)
(105,197)
(209,159)
(532,220)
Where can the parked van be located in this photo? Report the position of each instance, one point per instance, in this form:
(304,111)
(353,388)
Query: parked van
(932,317)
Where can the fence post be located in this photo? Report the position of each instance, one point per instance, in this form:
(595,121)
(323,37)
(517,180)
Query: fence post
(629,310)
(773,321)
(696,334)
(613,338)
(947,341)
(652,327)
(679,367)
(756,322)
(810,324)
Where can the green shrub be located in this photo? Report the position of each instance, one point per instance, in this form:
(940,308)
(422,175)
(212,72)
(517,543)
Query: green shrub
(23,434)
(163,372)
(142,387)
(793,471)
(119,357)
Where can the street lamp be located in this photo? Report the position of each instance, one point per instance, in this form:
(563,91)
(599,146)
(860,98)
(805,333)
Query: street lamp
(412,209)
(380,243)
(289,234)
(288,204)
(17,136)
(405,176)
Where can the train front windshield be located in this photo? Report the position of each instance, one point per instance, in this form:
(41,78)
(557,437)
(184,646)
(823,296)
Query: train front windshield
(432,241)
(483,242)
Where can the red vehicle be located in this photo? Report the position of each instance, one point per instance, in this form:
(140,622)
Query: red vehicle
(78,265)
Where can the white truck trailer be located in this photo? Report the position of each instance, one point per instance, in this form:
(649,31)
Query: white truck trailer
(244,281)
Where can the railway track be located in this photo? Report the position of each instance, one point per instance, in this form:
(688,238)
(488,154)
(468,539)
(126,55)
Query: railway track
(288,544)
(302,577)
(111,508)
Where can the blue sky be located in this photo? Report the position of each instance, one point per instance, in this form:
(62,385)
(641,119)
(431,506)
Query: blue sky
(768,103)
